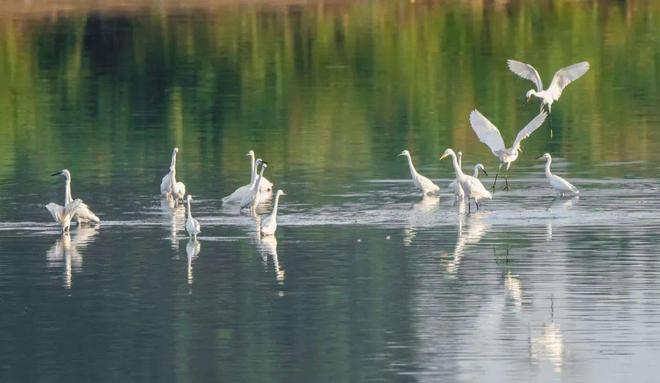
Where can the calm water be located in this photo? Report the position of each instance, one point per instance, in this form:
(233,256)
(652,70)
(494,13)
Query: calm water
(365,281)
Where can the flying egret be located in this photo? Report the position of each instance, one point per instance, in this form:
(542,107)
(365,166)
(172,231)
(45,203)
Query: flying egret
(266,186)
(472,187)
(83,213)
(559,184)
(489,135)
(252,198)
(269,224)
(192,225)
(166,182)
(422,183)
(561,79)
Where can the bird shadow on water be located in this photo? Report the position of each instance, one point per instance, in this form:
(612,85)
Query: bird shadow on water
(67,251)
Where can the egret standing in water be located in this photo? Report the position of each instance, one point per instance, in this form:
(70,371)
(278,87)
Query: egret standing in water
(64,214)
(472,187)
(238,194)
(266,186)
(422,183)
(192,225)
(490,135)
(166,182)
(169,187)
(269,224)
(559,184)
(561,79)
(458,190)
(83,213)
(253,197)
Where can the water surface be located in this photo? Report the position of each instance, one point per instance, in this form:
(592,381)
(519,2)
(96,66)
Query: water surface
(365,280)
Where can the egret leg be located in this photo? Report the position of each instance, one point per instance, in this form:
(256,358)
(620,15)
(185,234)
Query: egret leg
(476,203)
(468,202)
(495,183)
(506,181)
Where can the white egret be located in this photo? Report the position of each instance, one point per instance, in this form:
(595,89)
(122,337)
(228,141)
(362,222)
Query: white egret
(192,225)
(458,190)
(253,197)
(242,191)
(83,213)
(561,79)
(63,214)
(166,182)
(266,186)
(559,184)
(269,224)
(490,135)
(422,183)
(472,187)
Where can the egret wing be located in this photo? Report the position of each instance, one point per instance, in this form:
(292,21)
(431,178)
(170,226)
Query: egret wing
(529,128)
(527,72)
(72,206)
(56,211)
(565,76)
(165,184)
(487,132)
(84,213)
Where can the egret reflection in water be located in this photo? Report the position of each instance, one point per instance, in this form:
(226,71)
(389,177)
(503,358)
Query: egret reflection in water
(67,251)
(268,247)
(193,247)
(174,216)
(471,229)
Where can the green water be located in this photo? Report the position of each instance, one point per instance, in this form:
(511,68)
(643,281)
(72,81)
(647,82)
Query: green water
(365,282)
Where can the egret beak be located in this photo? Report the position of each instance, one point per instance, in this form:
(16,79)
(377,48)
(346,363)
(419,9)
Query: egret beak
(443,156)
(539,157)
(528,97)
(520,149)
(283,193)
(247,154)
(56,174)
(484,170)
(264,163)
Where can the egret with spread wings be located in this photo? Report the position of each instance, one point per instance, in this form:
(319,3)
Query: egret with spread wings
(490,135)
(562,78)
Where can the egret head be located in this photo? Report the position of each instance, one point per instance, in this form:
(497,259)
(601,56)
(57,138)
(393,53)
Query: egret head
(264,164)
(482,168)
(448,152)
(546,157)
(529,94)
(459,155)
(189,198)
(280,192)
(64,172)
(404,153)
(176,150)
(250,153)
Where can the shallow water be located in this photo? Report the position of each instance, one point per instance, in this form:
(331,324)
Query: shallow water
(365,281)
